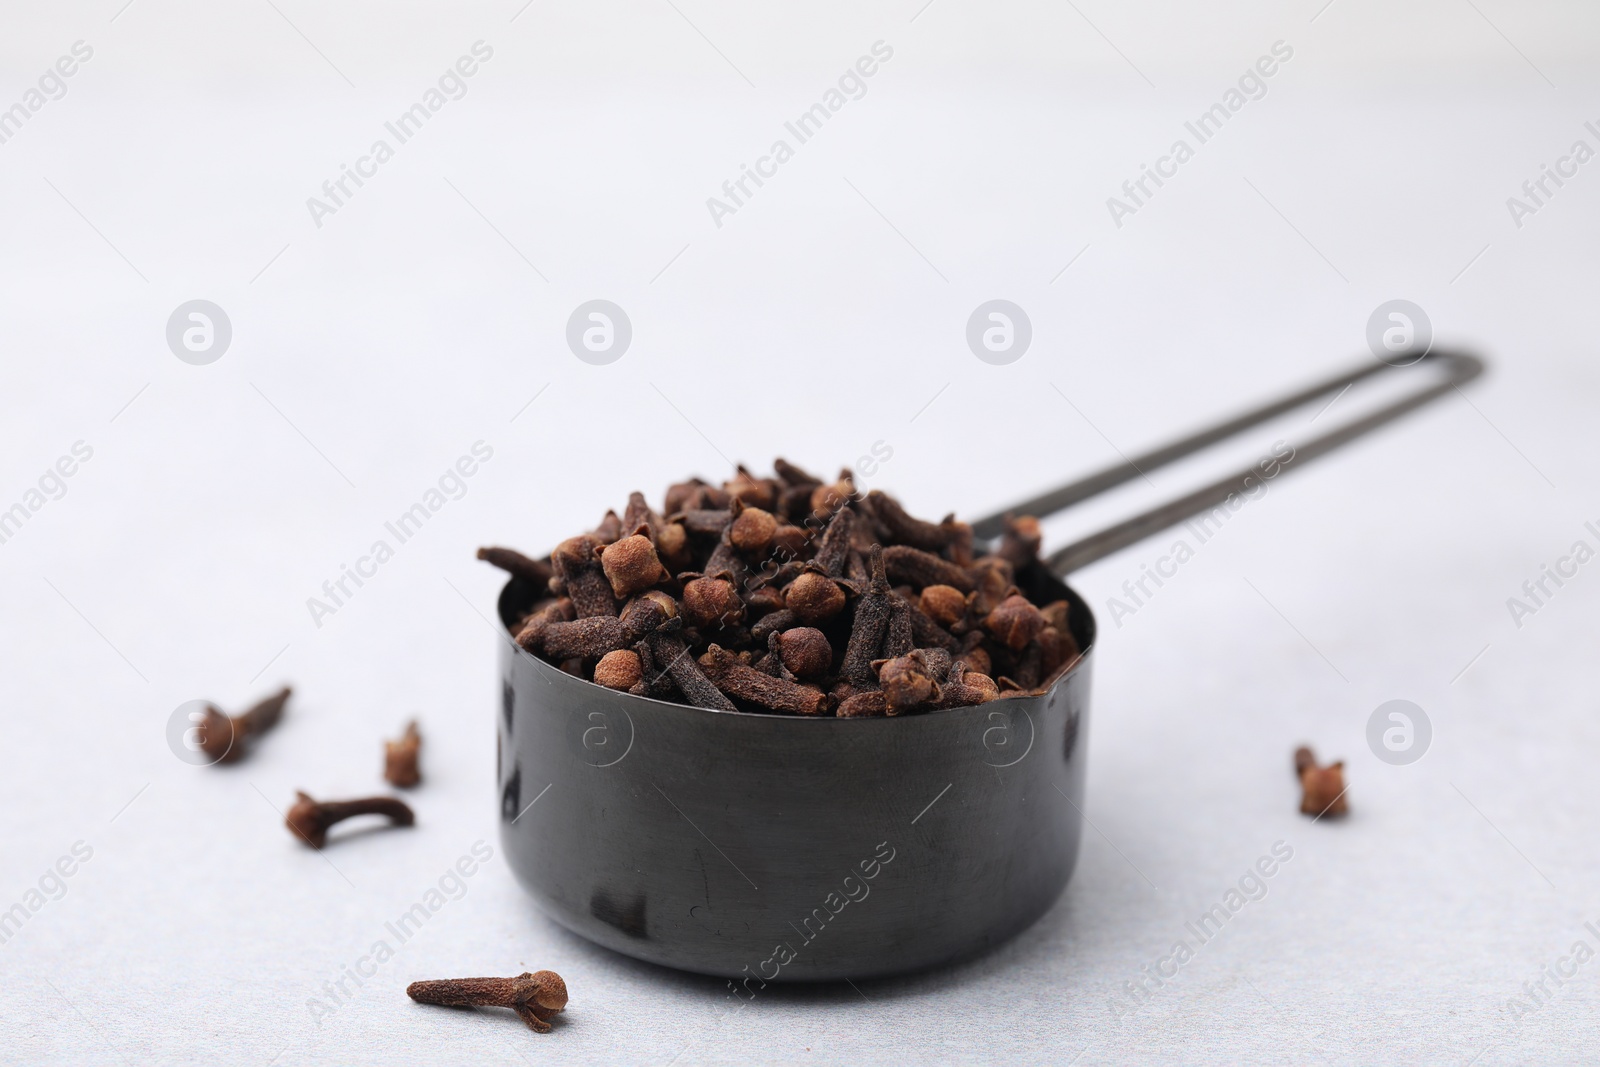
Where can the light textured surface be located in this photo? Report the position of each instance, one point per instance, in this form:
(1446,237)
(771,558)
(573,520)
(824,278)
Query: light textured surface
(825,316)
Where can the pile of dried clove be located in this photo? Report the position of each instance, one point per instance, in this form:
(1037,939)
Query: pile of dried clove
(794,595)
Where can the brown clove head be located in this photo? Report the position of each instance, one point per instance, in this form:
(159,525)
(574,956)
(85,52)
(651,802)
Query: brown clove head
(216,736)
(631,565)
(619,670)
(753,530)
(908,681)
(546,989)
(1014,622)
(944,604)
(804,650)
(814,597)
(709,602)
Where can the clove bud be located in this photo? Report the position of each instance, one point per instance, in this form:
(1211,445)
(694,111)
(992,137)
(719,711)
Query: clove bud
(227,740)
(631,565)
(1322,789)
(535,996)
(400,758)
(309,819)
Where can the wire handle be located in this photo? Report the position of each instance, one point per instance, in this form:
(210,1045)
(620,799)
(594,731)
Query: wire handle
(1460,368)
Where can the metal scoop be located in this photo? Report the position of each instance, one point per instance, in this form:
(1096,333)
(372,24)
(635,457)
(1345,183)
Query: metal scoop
(779,848)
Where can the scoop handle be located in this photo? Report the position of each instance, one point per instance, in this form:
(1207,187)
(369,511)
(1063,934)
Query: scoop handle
(1458,369)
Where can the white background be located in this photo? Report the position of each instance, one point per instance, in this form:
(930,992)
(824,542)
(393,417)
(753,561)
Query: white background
(826,315)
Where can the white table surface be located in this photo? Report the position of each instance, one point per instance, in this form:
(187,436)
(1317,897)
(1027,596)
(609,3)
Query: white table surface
(826,315)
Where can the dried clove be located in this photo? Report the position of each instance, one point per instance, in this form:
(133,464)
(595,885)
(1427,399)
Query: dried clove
(993,581)
(814,597)
(619,669)
(918,533)
(1014,622)
(826,499)
(944,604)
(870,704)
(653,681)
(639,513)
(593,637)
(900,637)
(668,649)
(710,602)
(309,819)
(705,522)
(1019,543)
(535,996)
(763,600)
(793,476)
(1322,789)
(867,632)
(789,541)
(577,566)
(750,490)
(752,531)
(910,680)
(1056,613)
(974,655)
(679,495)
(925,633)
(631,564)
(833,551)
(804,651)
(776,622)
(964,686)
(922,569)
(513,562)
(530,635)
(725,562)
(400,758)
(743,682)
(228,739)
(609,530)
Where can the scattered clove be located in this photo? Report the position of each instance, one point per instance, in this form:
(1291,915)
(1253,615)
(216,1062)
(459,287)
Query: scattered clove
(309,819)
(1322,789)
(400,758)
(227,739)
(535,996)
